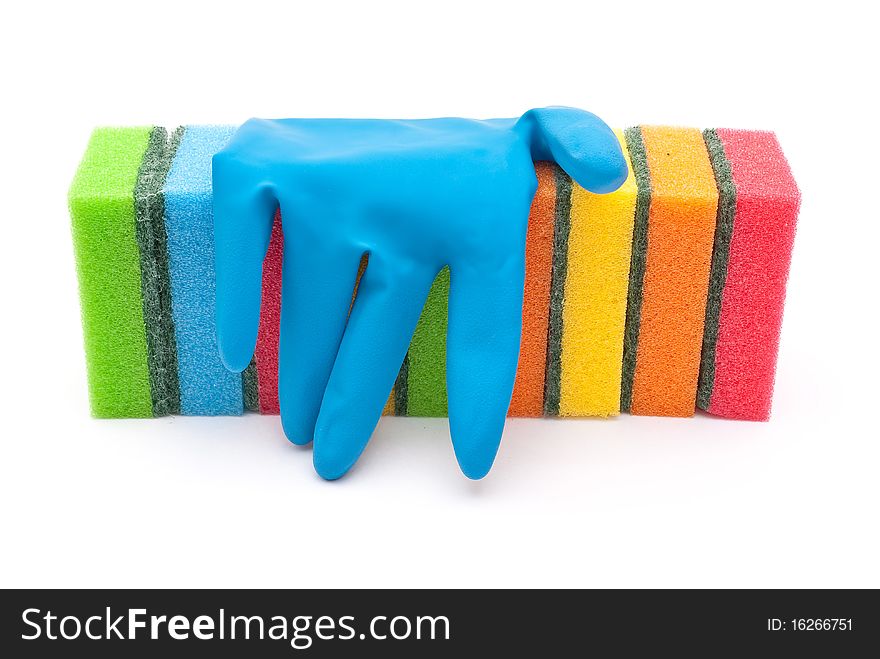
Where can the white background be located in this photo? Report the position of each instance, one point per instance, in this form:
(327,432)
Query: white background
(620,503)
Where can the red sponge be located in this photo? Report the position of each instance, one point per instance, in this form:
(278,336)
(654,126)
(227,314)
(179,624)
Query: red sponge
(270,319)
(767,204)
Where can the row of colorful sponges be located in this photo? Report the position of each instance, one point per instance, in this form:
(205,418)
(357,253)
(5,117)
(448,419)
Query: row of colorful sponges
(658,298)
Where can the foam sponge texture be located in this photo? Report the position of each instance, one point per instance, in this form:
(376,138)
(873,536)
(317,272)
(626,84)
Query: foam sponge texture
(270,322)
(594,309)
(102,211)
(206,386)
(528,390)
(426,359)
(681,228)
(740,381)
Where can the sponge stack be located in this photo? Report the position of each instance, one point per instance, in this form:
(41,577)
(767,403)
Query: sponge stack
(661,297)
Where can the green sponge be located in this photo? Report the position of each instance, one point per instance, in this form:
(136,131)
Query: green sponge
(102,211)
(425,365)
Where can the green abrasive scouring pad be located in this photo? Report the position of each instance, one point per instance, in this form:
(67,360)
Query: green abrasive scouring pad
(720,257)
(638,253)
(155,283)
(561,229)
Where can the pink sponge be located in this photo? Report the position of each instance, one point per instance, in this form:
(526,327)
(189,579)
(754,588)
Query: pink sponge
(750,318)
(270,318)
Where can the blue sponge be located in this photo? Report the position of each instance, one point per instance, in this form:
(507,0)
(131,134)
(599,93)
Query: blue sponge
(206,386)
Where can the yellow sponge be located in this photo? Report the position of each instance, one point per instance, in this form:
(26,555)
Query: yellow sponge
(594,307)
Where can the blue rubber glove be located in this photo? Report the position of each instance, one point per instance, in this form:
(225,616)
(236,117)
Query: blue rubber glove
(416,196)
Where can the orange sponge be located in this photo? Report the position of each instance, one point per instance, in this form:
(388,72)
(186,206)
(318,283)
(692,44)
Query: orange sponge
(681,227)
(528,392)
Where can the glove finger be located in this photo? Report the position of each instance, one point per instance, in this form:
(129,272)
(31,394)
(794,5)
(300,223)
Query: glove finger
(482,350)
(243,214)
(317,284)
(376,339)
